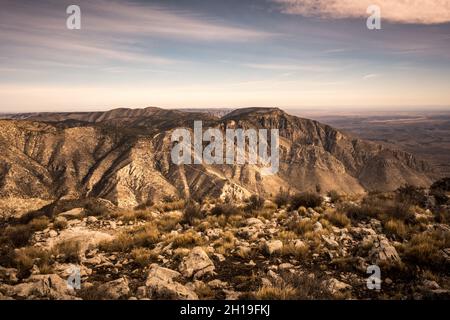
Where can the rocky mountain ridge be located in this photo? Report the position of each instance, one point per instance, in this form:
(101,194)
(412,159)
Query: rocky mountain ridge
(123,156)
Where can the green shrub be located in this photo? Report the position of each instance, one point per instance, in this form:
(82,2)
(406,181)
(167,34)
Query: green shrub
(335,197)
(337,218)
(145,236)
(255,202)
(412,195)
(225,209)
(70,250)
(282,198)
(424,249)
(396,228)
(18,235)
(306,199)
(191,212)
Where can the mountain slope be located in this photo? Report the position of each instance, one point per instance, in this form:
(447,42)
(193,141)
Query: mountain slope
(123,155)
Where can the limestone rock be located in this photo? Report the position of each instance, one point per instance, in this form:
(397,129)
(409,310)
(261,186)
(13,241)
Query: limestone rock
(196,264)
(161,285)
(335,286)
(382,251)
(273,246)
(114,290)
(42,287)
(73,214)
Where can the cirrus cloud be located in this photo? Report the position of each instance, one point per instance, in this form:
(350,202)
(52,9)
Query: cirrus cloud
(397,11)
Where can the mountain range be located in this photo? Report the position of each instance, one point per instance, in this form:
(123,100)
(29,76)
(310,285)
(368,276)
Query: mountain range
(123,155)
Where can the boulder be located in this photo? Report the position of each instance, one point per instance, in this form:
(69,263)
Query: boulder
(73,214)
(197,264)
(161,285)
(114,290)
(317,226)
(217,284)
(49,286)
(273,246)
(382,251)
(298,244)
(8,274)
(330,242)
(87,239)
(335,286)
(254,222)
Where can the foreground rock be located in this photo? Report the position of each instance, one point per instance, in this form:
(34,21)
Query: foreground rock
(382,251)
(114,290)
(197,264)
(87,239)
(41,287)
(161,285)
(274,246)
(335,286)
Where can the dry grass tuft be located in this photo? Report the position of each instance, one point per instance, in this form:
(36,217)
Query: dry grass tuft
(338,219)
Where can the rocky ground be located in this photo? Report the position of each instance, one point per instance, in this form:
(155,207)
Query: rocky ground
(214,250)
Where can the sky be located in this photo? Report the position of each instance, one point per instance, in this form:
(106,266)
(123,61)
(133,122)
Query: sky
(233,53)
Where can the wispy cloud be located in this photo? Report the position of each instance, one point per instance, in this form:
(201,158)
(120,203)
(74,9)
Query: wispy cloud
(125,32)
(404,11)
(290,67)
(371,76)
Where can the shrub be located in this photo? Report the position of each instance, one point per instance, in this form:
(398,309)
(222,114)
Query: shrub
(442,215)
(282,198)
(412,195)
(171,206)
(70,250)
(374,207)
(39,224)
(255,202)
(24,259)
(440,197)
(337,218)
(306,199)
(226,243)
(18,235)
(140,237)
(401,211)
(301,227)
(191,212)
(169,198)
(168,223)
(226,209)
(297,252)
(285,292)
(96,208)
(60,223)
(425,249)
(365,211)
(143,256)
(335,197)
(188,239)
(396,228)
(287,235)
(443,184)
(309,287)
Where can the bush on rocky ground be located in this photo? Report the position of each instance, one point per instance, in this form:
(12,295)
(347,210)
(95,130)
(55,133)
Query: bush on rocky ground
(306,199)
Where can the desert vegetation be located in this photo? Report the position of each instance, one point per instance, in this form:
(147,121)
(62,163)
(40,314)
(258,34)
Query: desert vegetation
(285,246)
